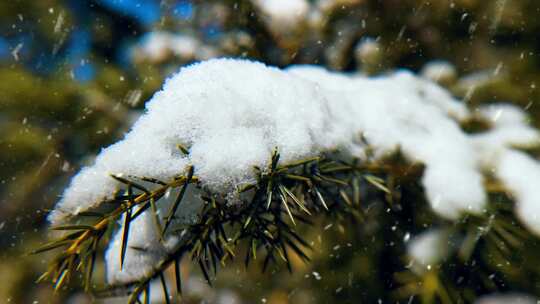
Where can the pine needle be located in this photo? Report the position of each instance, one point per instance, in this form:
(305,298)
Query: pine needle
(320,197)
(174,207)
(377,182)
(178,277)
(287,192)
(284,201)
(125,233)
(165,289)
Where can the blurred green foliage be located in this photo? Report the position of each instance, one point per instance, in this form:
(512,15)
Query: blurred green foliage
(51,123)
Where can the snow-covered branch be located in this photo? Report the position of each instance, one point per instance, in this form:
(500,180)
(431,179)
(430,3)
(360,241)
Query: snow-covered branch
(228,115)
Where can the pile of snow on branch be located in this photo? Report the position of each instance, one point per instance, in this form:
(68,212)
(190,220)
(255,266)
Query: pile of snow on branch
(232,113)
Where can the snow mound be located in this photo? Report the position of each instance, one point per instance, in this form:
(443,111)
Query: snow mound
(231,120)
(232,113)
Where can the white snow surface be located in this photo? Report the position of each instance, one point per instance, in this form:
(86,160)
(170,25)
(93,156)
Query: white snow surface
(232,113)
(519,172)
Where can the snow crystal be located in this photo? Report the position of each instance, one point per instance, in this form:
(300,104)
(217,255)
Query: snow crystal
(232,113)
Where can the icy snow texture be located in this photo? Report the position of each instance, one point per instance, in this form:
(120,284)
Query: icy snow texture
(232,113)
(232,126)
(231,120)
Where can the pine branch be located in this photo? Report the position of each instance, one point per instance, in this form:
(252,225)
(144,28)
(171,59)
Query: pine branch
(267,222)
(84,242)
